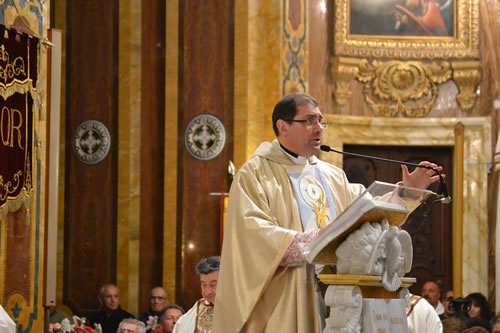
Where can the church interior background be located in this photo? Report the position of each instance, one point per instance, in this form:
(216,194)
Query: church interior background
(144,209)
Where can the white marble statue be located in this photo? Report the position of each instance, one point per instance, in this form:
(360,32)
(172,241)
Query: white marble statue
(398,257)
(377,249)
(346,304)
(404,293)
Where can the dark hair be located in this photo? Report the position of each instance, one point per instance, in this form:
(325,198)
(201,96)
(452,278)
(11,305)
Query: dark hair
(208,265)
(481,302)
(170,306)
(286,108)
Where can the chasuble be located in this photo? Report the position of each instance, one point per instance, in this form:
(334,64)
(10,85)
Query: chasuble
(255,293)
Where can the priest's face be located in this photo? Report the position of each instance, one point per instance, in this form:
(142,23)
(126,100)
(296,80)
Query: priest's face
(209,285)
(300,137)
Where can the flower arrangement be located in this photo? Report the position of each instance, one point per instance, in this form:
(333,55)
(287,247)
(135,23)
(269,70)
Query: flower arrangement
(153,325)
(78,327)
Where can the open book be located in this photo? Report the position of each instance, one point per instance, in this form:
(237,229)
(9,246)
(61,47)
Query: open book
(379,201)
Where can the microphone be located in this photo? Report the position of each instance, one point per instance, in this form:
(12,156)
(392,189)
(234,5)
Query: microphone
(442,185)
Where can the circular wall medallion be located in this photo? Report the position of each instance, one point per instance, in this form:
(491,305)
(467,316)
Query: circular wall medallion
(91,142)
(205,137)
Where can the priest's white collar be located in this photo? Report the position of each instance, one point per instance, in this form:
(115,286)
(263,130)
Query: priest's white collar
(296,158)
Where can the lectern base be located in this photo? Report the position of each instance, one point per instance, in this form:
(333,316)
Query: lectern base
(359,303)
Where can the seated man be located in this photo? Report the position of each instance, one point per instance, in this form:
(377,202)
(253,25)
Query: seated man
(431,292)
(111,314)
(158,300)
(131,326)
(170,316)
(200,317)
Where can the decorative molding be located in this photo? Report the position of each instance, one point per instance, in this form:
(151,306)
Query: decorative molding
(404,88)
(205,137)
(397,88)
(347,301)
(466,76)
(91,142)
(344,71)
(458,208)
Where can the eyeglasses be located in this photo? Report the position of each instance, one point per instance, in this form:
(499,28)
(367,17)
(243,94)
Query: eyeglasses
(309,122)
(157,298)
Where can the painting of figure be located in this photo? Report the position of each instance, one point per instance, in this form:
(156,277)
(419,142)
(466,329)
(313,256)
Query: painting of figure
(423,18)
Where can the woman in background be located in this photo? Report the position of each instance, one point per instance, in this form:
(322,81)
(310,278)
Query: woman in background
(479,311)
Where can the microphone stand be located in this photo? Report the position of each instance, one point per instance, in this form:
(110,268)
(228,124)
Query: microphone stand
(442,185)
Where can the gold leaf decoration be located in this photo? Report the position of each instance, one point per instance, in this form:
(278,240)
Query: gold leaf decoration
(344,71)
(466,76)
(397,88)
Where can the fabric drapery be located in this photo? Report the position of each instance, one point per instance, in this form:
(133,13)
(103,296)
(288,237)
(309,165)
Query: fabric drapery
(18,79)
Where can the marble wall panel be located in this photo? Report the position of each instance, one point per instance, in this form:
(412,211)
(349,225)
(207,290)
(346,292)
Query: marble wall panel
(258,28)
(129,154)
(170,228)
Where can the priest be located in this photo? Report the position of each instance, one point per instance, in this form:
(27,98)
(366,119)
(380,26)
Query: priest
(278,202)
(199,319)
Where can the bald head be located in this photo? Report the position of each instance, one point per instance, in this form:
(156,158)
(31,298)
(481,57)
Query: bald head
(430,291)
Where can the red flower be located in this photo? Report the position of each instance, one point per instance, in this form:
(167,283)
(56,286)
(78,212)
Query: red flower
(158,330)
(88,329)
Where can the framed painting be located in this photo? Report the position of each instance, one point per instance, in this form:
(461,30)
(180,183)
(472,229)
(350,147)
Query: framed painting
(407,29)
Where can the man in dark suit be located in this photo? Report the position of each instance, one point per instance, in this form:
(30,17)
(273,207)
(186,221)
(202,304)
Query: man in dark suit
(111,314)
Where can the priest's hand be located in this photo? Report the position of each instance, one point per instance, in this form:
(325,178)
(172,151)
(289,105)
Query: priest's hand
(421,178)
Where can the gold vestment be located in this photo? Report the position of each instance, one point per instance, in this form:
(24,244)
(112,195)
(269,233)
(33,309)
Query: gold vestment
(254,293)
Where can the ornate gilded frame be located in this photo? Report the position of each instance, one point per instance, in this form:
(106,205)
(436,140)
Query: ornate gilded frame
(463,45)
(401,73)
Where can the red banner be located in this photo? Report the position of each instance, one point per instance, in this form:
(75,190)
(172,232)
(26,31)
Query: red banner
(18,75)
